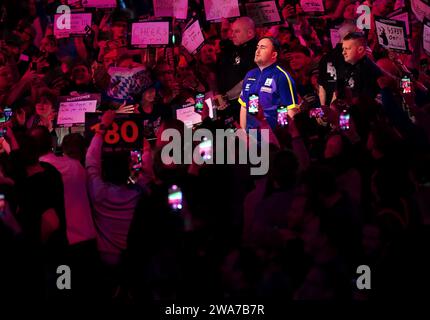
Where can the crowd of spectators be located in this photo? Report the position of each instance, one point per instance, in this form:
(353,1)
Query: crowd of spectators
(332,200)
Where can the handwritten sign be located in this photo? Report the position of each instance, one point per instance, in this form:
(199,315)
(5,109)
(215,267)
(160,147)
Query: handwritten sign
(188,116)
(218,9)
(334,37)
(73,113)
(401,15)
(421,9)
(263,13)
(126,132)
(312,5)
(101,4)
(150,33)
(426,36)
(171,8)
(78,22)
(391,34)
(192,38)
(72,109)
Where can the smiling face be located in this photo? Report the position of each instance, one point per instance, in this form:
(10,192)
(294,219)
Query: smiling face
(149,95)
(44,108)
(81,74)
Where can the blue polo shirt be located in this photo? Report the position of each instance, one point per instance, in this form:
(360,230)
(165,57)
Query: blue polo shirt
(274,87)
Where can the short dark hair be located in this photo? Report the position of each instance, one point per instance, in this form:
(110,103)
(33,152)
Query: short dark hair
(359,36)
(275,43)
(42,138)
(115,167)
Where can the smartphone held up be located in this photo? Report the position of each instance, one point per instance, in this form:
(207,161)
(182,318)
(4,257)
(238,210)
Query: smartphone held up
(253,105)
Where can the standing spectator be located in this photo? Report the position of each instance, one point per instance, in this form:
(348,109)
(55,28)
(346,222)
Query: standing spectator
(113,200)
(235,63)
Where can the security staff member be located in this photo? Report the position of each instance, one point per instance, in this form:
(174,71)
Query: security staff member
(361,74)
(233,64)
(273,86)
(332,66)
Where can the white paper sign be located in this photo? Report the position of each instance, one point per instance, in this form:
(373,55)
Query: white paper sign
(188,116)
(101,4)
(402,17)
(334,37)
(391,34)
(78,22)
(312,5)
(150,33)
(218,9)
(171,8)
(70,113)
(263,13)
(421,9)
(426,37)
(192,38)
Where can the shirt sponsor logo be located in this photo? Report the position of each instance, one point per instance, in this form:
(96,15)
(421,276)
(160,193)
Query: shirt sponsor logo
(266,89)
(247,86)
(268,82)
(331,70)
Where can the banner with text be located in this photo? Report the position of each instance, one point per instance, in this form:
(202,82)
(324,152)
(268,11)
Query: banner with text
(150,33)
(218,9)
(192,38)
(78,24)
(312,6)
(263,13)
(391,34)
(171,8)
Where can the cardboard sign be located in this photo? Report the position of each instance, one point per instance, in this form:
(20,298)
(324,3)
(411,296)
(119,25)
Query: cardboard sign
(72,110)
(334,37)
(391,34)
(192,38)
(100,4)
(421,9)
(155,33)
(218,9)
(188,116)
(426,36)
(401,15)
(171,8)
(312,5)
(263,13)
(78,23)
(126,132)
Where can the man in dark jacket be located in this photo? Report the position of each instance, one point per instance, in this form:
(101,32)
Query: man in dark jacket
(234,62)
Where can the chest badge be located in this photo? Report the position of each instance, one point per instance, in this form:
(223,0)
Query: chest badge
(237,60)
(268,82)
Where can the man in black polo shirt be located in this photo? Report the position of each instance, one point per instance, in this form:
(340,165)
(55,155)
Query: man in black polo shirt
(332,66)
(361,74)
(235,62)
